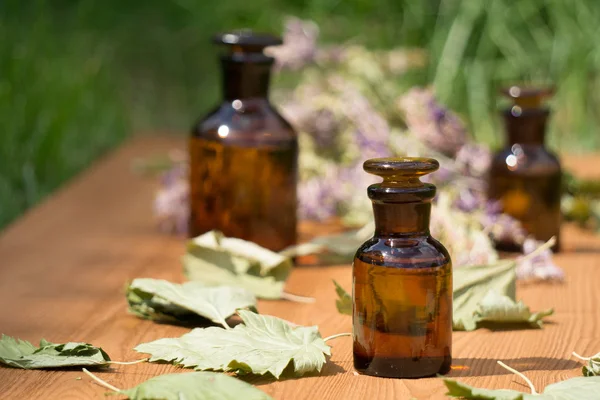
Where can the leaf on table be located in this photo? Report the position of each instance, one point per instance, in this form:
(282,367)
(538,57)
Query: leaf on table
(214,260)
(195,386)
(162,300)
(263,344)
(497,309)
(570,389)
(335,248)
(22,354)
(481,294)
(487,293)
(344,300)
(470,285)
(593,366)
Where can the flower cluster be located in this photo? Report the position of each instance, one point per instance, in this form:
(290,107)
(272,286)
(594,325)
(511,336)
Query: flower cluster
(348,107)
(171,202)
(540,266)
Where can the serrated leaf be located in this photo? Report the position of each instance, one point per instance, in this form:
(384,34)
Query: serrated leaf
(496,308)
(336,248)
(263,344)
(481,294)
(214,260)
(486,294)
(471,284)
(195,386)
(570,389)
(462,390)
(344,300)
(22,354)
(162,300)
(593,366)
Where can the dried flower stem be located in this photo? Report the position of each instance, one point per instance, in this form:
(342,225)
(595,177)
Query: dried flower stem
(581,357)
(297,298)
(540,249)
(301,250)
(101,382)
(129,362)
(514,371)
(336,336)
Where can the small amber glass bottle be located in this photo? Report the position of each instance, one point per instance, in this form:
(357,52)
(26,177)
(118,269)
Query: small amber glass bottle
(402,278)
(525,176)
(244,155)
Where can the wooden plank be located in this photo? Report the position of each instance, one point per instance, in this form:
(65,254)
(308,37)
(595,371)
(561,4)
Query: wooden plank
(64,266)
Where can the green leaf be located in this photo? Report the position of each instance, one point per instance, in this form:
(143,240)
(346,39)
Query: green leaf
(593,367)
(470,285)
(214,260)
(458,389)
(264,344)
(22,354)
(497,308)
(344,300)
(162,300)
(482,294)
(335,248)
(570,389)
(195,386)
(486,294)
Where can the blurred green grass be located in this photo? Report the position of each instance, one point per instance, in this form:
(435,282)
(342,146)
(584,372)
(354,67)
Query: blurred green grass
(76,77)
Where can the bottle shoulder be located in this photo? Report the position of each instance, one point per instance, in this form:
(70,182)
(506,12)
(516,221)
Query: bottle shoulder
(413,252)
(253,121)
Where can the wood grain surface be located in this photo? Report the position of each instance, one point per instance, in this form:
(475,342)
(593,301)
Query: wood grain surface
(64,266)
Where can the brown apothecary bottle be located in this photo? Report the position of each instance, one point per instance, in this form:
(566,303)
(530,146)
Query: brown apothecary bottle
(525,176)
(402,279)
(244,154)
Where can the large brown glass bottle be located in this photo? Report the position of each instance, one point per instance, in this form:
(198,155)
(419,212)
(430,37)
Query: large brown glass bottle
(402,279)
(525,176)
(244,155)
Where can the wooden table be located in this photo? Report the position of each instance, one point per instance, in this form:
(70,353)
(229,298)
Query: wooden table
(64,266)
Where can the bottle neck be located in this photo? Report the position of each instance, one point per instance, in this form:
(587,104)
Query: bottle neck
(526,127)
(244,79)
(402,219)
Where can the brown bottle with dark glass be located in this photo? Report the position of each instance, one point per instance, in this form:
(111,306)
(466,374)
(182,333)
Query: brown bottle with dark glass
(243,154)
(525,176)
(402,279)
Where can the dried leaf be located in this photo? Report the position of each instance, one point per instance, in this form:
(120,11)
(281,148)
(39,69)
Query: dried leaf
(344,300)
(570,389)
(162,300)
(215,260)
(22,354)
(195,386)
(264,344)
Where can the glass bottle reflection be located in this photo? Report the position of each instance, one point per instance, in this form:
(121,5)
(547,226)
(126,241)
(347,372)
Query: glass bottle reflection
(243,154)
(525,176)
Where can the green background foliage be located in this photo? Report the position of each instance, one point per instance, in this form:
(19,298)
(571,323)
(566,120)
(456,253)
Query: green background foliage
(76,77)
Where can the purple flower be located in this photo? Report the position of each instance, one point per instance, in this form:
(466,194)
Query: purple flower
(372,130)
(318,197)
(474,159)
(441,177)
(540,266)
(432,123)
(470,200)
(502,227)
(299,46)
(171,202)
